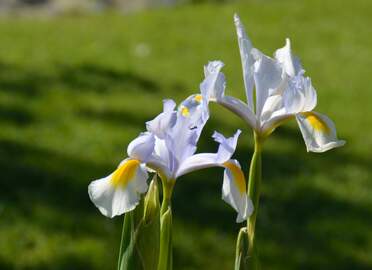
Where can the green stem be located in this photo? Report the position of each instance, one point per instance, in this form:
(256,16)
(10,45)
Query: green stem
(167,194)
(166,253)
(254,193)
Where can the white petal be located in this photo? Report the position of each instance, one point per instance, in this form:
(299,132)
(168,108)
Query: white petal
(227,145)
(318,131)
(195,107)
(119,192)
(293,99)
(299,95)
(159,160)
(269,79)
(310,96)
(239,108)
(276,119)
(234,190)
(206,160)
(160,125)
(272,105)
(290,63)
(213,86)
(168,105)
(245,46)
(142,147)
(213,89)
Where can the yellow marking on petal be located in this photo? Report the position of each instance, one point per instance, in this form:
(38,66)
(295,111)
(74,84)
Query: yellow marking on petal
(198,98)
(316,122)
(185,111)
(238,176)
(124,173)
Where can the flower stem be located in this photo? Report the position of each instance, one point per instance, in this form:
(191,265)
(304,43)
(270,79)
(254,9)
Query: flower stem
(166,253)
(255,175)
(167,194)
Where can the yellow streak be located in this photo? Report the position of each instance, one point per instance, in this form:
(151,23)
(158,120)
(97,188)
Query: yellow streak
(185,111)
(238,176)
(316,122)
(198,98)
(124,173)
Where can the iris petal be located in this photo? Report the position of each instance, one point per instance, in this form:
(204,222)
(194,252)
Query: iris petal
(318,131)
(119,192)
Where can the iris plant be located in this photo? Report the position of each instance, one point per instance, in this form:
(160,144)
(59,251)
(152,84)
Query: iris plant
(168,148)
(277,90)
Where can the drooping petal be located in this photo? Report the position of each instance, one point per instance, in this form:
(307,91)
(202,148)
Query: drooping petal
(142,147)
(119,192)
(245,46)
(291,63)
(213,86)
(206,160)
(161,124)
(318,131)
(234,190)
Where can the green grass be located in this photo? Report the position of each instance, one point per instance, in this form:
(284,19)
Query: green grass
(75,90)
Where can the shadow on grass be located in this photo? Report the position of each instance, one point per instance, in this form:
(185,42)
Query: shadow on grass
(81,77)
(15,115)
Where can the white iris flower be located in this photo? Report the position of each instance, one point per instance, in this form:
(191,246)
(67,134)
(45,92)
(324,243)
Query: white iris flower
(168,147)
(281,92)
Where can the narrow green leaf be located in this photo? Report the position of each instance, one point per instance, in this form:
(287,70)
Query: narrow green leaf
(241,254)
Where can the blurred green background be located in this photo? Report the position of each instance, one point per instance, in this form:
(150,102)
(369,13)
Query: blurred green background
(75,89)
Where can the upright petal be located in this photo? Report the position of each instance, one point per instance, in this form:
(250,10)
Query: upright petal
(318,131)
(161,124)
(234,190)
(206,160)
(181,140)
(195,109)
(119,192)
(245,46)
(142,147)
(213,86)
(299,95)
(159,160)
(269,79)
(291,63)
(227,145)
